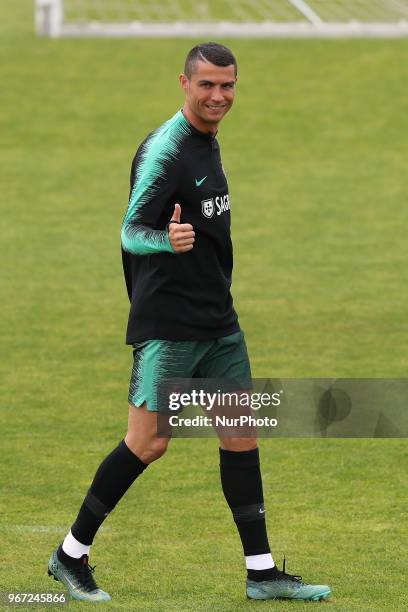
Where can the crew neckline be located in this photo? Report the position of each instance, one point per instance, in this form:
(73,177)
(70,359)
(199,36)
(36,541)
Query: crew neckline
(197,132)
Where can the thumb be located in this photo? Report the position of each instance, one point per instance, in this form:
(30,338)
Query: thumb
(177,213)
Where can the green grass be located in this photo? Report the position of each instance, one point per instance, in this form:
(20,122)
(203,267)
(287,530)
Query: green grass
(315,150)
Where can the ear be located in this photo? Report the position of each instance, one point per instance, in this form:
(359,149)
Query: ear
(183,81)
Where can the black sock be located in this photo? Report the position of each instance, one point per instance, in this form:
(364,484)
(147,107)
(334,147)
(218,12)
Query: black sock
(242,485)
(66,559)
(267,574)
(112,479)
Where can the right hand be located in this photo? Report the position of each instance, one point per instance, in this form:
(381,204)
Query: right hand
(181,235)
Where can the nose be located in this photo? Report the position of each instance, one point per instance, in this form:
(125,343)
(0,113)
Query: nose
(217,95)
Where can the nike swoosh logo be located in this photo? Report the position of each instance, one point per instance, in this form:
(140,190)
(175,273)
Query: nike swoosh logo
(70,583)
(261,511)
(198,183)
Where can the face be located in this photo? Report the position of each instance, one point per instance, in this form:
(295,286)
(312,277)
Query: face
(209,94)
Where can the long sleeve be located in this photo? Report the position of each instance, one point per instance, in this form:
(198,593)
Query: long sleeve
(154,180)
(138,234)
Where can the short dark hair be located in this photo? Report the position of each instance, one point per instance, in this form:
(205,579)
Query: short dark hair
(209,52)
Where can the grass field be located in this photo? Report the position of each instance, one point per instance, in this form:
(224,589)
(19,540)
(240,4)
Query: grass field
(315,150)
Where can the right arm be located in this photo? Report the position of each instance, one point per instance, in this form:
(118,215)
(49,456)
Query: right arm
(151,191)
(153,187)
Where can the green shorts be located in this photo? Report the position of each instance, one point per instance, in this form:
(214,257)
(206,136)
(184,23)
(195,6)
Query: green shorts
(155,360)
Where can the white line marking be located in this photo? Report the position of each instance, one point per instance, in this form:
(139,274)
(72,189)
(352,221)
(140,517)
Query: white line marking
(39,528)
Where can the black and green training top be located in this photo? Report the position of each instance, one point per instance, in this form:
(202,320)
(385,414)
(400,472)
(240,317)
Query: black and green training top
(183,296)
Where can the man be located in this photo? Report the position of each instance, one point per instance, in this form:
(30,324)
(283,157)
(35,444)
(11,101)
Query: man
(177,259)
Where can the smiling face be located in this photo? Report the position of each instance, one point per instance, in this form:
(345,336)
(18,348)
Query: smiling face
(209,94)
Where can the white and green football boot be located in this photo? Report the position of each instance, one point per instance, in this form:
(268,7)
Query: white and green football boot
(79,580)
(286,586)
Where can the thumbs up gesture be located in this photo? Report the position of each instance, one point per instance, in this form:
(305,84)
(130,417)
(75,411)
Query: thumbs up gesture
(181,235)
